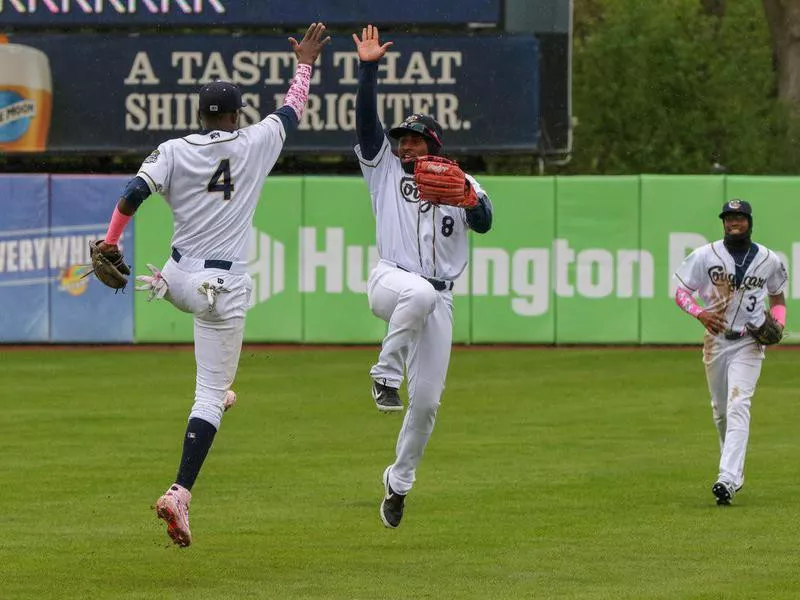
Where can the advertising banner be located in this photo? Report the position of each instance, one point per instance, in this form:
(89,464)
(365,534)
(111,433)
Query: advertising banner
(510,271)
(776,213)
(134,92)
(222,13)
(26,98)
(679,214)
(24,258)
(81,308)
(338,251)
(273,264)
(569,260)
(599,273)
(156,321)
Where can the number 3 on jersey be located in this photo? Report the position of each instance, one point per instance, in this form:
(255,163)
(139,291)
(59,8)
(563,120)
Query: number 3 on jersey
(222,173)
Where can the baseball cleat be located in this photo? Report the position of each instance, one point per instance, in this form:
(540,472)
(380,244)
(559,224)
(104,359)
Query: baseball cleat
(724,492)
(230,399)
(386,398)
(392,504)
(173,509)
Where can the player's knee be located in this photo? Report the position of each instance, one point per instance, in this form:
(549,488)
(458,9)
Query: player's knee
(426,399)
(209,406)
(425,411)
(421,301)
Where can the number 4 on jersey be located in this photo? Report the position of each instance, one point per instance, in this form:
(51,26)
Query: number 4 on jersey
(223,173)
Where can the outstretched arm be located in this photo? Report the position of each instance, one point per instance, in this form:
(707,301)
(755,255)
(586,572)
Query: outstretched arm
(368,125)
(306,52)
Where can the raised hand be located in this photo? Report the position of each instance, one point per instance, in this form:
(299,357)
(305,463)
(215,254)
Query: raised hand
(369,46)
(310,47)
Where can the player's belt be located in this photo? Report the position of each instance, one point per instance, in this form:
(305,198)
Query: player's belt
(734,335)
(440,285)
(225,265)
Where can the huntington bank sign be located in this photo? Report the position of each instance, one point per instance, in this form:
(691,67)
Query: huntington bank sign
(529,277)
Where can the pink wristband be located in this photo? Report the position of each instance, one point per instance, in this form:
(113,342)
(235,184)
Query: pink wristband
(297,96)
(683,298)
(115,228)
(779,312)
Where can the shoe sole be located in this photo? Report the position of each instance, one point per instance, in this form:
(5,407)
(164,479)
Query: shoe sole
(723,495)
(385,480)
(176,534)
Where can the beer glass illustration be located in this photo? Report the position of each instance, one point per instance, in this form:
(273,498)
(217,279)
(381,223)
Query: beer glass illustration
(26,98)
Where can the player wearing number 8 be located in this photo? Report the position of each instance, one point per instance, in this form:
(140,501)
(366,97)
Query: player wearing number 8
(733,277)
(212,180)
(423,247)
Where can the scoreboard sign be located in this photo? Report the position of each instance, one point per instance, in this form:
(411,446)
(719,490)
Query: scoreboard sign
(120,93)
(122,13)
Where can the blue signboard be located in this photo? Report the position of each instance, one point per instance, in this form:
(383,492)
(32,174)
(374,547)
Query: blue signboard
(118,93)
(124,13)
(24,258)
(81,308)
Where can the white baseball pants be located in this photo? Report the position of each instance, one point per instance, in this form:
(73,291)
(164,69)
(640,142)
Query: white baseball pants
(732,371)
(418,339)
(218,330)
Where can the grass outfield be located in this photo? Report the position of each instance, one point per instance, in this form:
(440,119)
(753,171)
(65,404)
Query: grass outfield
(560,474)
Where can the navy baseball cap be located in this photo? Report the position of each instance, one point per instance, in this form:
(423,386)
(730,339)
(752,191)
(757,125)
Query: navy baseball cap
(424,125)
(220,97)
(736,207)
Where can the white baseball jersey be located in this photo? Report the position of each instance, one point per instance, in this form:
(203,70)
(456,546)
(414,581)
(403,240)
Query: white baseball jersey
(711,272)
(417,236)
(213,181)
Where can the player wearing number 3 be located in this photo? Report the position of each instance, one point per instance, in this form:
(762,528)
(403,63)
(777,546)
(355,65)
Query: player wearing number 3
(423,247)
(733,276)
(212,180)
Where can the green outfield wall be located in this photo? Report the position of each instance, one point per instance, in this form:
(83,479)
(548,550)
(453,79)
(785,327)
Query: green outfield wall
(569,260)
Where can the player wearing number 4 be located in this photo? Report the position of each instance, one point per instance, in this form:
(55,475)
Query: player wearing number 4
(733,276)
(423,212)
(212,180)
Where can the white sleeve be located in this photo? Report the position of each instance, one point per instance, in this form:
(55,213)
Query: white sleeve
(776,282)
(270,137)
(375,169)
(690,273)
(475,185)
(156,169)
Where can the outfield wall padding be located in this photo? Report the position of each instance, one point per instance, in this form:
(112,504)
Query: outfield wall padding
(570,260)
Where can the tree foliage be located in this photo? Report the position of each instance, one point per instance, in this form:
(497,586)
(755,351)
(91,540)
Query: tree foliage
(675,87)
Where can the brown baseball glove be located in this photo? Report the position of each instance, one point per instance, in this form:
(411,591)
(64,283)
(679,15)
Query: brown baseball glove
(770,332)
(441,181)
(108,265)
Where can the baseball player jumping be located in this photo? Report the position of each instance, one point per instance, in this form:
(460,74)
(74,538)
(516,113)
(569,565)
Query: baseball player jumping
(422,230)
(212,180)
(732,277)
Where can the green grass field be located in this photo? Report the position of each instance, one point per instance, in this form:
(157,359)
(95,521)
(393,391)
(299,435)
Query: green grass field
(560,474)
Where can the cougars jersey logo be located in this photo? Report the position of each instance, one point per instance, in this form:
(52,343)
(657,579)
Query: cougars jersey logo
(719,277)
(410,193)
